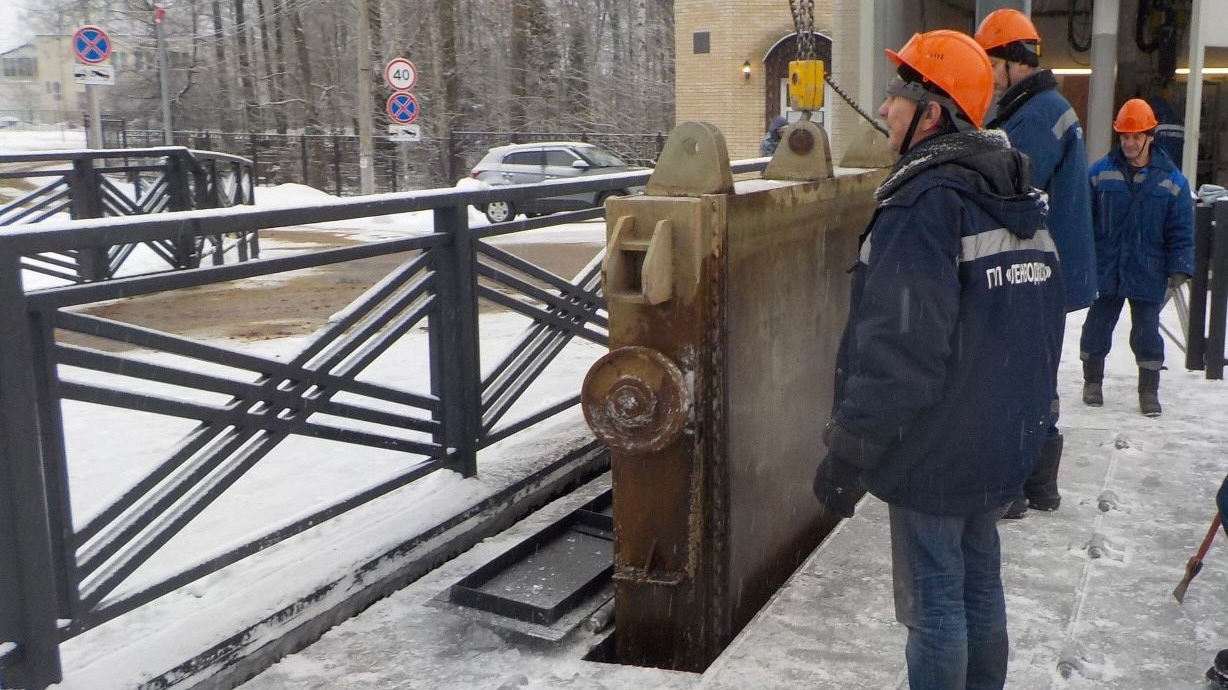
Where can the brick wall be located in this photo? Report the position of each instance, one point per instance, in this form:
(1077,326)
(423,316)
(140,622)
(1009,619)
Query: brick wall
(710,86)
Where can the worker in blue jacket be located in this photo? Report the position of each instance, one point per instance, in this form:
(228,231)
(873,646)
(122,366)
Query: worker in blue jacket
(1143,217)
(1043,125)
(945,370)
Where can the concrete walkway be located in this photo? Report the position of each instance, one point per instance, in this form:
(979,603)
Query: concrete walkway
(1111,619)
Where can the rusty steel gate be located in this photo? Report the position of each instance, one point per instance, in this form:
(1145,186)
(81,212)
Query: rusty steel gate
(726,304)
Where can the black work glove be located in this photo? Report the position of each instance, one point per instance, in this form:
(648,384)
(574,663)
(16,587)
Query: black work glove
(837,485)
(1176,280)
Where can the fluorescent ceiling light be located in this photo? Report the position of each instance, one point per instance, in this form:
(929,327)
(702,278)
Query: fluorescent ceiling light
(1183,70)
(1205,70)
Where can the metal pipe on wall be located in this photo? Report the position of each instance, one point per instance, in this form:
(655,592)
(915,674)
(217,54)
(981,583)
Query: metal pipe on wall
(1105,16)
(869,54)
(1193,95)
(984,7)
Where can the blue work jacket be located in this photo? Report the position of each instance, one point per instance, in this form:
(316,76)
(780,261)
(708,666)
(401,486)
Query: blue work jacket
(1041,124)
(947,365)
(1144,225)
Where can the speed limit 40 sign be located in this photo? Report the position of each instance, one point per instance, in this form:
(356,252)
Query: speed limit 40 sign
(400,74)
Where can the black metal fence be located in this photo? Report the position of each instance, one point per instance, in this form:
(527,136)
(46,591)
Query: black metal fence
(329,162)
(127,182)
(1208,302)
(63,573)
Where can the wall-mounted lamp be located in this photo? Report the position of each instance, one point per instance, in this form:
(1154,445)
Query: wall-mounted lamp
(746,70)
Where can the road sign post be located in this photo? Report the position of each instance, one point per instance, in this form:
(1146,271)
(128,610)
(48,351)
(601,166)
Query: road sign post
(92,46)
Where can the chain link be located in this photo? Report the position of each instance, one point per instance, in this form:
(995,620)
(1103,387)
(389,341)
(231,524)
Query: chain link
(803,24)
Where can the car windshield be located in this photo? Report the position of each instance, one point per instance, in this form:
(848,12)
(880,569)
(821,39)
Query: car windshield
(600,158)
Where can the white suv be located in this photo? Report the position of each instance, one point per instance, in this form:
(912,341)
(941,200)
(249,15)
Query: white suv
(529,163)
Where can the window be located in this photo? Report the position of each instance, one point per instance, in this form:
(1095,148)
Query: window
(525,158)
(20,67)
(560,157)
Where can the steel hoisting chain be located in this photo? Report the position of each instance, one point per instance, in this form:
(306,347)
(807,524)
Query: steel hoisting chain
(803,25)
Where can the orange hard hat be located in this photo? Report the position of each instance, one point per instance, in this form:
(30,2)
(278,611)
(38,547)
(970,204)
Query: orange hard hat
(1004,26)
(953,62)
(1135,116)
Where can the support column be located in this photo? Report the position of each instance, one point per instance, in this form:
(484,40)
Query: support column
(1193,96)
(1105,14)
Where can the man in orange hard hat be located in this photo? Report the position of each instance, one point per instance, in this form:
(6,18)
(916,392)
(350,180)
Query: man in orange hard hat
(945,372)
(1143,215)
(1041,123)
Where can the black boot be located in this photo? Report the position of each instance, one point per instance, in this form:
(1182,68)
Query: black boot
(1093,379)
(1041,487)
(1015,510)
(1149,392)
(1217,675)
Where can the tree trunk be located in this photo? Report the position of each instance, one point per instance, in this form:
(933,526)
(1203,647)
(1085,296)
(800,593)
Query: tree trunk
(250,118)
(272,74)
(221,74)
(518,64)
(449,75)
(279,53)
(306,90)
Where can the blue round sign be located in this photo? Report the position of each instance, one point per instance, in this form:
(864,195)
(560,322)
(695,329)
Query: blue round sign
(91,45)
(402,108)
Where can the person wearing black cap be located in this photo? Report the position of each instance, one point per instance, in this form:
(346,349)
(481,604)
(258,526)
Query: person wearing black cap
(1043,125)
(945,369)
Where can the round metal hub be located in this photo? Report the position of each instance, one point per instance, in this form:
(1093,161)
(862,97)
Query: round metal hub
(635,400)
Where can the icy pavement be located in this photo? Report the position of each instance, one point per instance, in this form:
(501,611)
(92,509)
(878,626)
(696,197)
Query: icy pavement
(1110,620)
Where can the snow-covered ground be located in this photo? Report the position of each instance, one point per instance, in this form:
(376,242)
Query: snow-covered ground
(27,138)
(1112,618)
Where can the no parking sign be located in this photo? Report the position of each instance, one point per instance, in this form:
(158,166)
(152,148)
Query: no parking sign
(402,107)
(91,45)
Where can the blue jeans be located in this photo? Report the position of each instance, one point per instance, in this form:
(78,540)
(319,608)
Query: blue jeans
(948,592)
(1145,338)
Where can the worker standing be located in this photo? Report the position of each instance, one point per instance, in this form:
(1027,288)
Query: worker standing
(1143,216)
(1041,123)
(944,375)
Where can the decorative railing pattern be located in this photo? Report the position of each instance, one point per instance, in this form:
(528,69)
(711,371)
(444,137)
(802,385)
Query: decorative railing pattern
(63,573)
(128,182)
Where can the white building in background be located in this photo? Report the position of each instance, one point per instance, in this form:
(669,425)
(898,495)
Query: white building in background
(37,84)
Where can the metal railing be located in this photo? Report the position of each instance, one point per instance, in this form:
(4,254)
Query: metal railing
(1208,301)
(61,572)
(126,182)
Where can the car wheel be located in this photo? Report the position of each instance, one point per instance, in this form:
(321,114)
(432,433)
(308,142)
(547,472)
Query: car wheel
(500,211)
